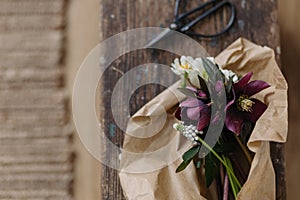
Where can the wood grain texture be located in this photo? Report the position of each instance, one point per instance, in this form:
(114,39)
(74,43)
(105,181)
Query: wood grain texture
(256,21)
(36,153)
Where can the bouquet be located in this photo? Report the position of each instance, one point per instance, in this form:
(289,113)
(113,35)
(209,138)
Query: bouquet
(217,117)
(224,125)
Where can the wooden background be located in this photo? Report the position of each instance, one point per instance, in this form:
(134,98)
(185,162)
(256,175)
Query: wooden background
(289,27)
(36,154)
(256,21)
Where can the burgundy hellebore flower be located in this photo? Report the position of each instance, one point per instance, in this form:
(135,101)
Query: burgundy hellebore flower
(242,107)
(194,110)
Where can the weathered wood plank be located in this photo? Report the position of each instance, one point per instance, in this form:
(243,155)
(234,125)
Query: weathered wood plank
(256,21)
(9,23)
(31,41)
(34,132)
(29,7)
(31,59)
(33,99)
(30,74)
(36,155)
(35,194)
(44,157)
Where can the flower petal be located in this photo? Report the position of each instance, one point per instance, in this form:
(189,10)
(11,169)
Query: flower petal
(229,104)
(201,94)
(191,102)
(204,118)
(239,86)
(234,120)
(232,101)
(254,87)
(257,110)
(193,113)
(178,113)
(191,88)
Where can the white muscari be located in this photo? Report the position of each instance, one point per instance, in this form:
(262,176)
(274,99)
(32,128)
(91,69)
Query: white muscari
(188,131)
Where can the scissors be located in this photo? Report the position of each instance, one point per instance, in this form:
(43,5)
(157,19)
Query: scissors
(208,8)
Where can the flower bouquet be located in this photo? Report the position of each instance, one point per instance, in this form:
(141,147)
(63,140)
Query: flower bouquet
(226,118)
(224,160)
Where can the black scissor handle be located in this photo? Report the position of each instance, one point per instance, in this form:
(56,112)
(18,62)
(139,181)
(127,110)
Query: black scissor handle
(186,27)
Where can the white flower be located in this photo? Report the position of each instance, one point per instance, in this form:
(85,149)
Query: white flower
(193,67)
(189,131)
(230,74)
(182,66)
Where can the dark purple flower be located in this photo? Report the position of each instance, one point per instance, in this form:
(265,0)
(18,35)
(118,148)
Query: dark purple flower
(242,107)
(194,110)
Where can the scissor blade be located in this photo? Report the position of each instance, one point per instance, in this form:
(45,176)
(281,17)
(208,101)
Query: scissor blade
(163,35)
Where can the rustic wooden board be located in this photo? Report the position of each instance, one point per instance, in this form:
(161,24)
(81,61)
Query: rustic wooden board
(36,152)
(256,21)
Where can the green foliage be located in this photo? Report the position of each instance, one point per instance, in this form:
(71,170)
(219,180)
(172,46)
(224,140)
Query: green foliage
(211,168)
(188,157)
(203,85)
(187,92)
(191,153)
(182,166)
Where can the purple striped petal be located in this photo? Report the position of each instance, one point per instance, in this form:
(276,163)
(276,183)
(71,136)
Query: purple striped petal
(232,101)
(239,86)
(193,113)
(254,87)
(191,102)
(204,118)
(257,110)
(234,120)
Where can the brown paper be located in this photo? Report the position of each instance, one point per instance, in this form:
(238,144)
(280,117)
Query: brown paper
(162,150)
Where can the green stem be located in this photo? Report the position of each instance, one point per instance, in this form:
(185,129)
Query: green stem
(235,188)
(229,170)
(189,81)
(244,149)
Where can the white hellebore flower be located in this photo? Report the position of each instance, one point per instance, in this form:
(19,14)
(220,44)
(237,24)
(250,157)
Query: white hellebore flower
(182,66)
(193,67)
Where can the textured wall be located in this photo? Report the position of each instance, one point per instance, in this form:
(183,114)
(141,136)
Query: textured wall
(35,145)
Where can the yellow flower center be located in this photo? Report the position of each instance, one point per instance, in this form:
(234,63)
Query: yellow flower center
(245,104)
(185,66)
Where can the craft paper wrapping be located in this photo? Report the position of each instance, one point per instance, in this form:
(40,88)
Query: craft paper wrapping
(162,184)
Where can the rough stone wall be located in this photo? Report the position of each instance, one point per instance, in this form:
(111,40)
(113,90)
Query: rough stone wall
(35,135)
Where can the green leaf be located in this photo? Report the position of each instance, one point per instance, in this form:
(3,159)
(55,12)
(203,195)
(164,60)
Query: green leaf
(203,85)
(188,157)
(187,92)
(209,67)
(184,79)
(182,166)
(191,153)
(210,169)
